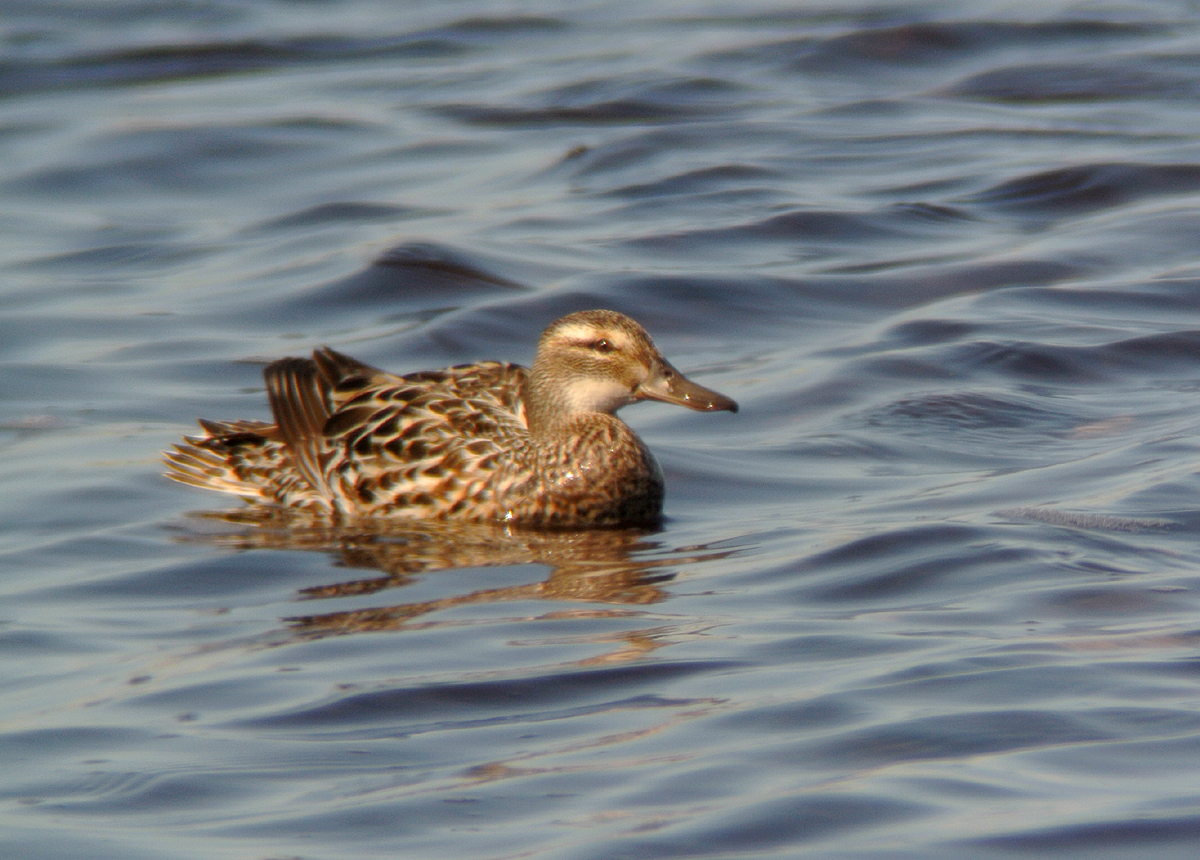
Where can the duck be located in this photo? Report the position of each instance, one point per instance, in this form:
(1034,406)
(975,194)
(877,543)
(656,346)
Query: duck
(485,442)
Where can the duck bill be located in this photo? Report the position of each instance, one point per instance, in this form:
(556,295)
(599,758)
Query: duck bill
(670,386)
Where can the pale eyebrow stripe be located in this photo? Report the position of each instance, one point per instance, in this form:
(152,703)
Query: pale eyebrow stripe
(583,334)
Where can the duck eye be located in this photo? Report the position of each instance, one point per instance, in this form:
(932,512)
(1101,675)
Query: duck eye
(602,345)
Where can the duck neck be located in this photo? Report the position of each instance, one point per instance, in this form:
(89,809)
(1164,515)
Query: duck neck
(547,409)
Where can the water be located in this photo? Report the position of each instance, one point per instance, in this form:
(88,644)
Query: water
(933,591)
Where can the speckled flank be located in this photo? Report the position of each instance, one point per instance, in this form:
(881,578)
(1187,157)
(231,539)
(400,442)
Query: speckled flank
(486,441)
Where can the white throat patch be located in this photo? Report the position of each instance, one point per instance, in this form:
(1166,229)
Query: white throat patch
(597,395)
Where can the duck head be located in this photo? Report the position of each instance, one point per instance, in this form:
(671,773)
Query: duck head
(599,361)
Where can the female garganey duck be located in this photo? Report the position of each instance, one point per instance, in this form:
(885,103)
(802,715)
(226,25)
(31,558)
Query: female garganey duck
(485,442)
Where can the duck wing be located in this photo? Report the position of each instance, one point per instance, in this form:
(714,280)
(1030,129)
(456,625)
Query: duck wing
(301,402)
(429,440)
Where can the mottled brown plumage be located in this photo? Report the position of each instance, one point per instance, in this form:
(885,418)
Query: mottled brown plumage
(486,442)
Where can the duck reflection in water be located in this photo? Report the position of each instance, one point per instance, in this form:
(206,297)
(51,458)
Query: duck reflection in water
(621,566)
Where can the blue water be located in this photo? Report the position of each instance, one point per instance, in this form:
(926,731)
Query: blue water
(932,593)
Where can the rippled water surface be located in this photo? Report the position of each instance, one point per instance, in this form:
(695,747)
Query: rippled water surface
(932,593)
